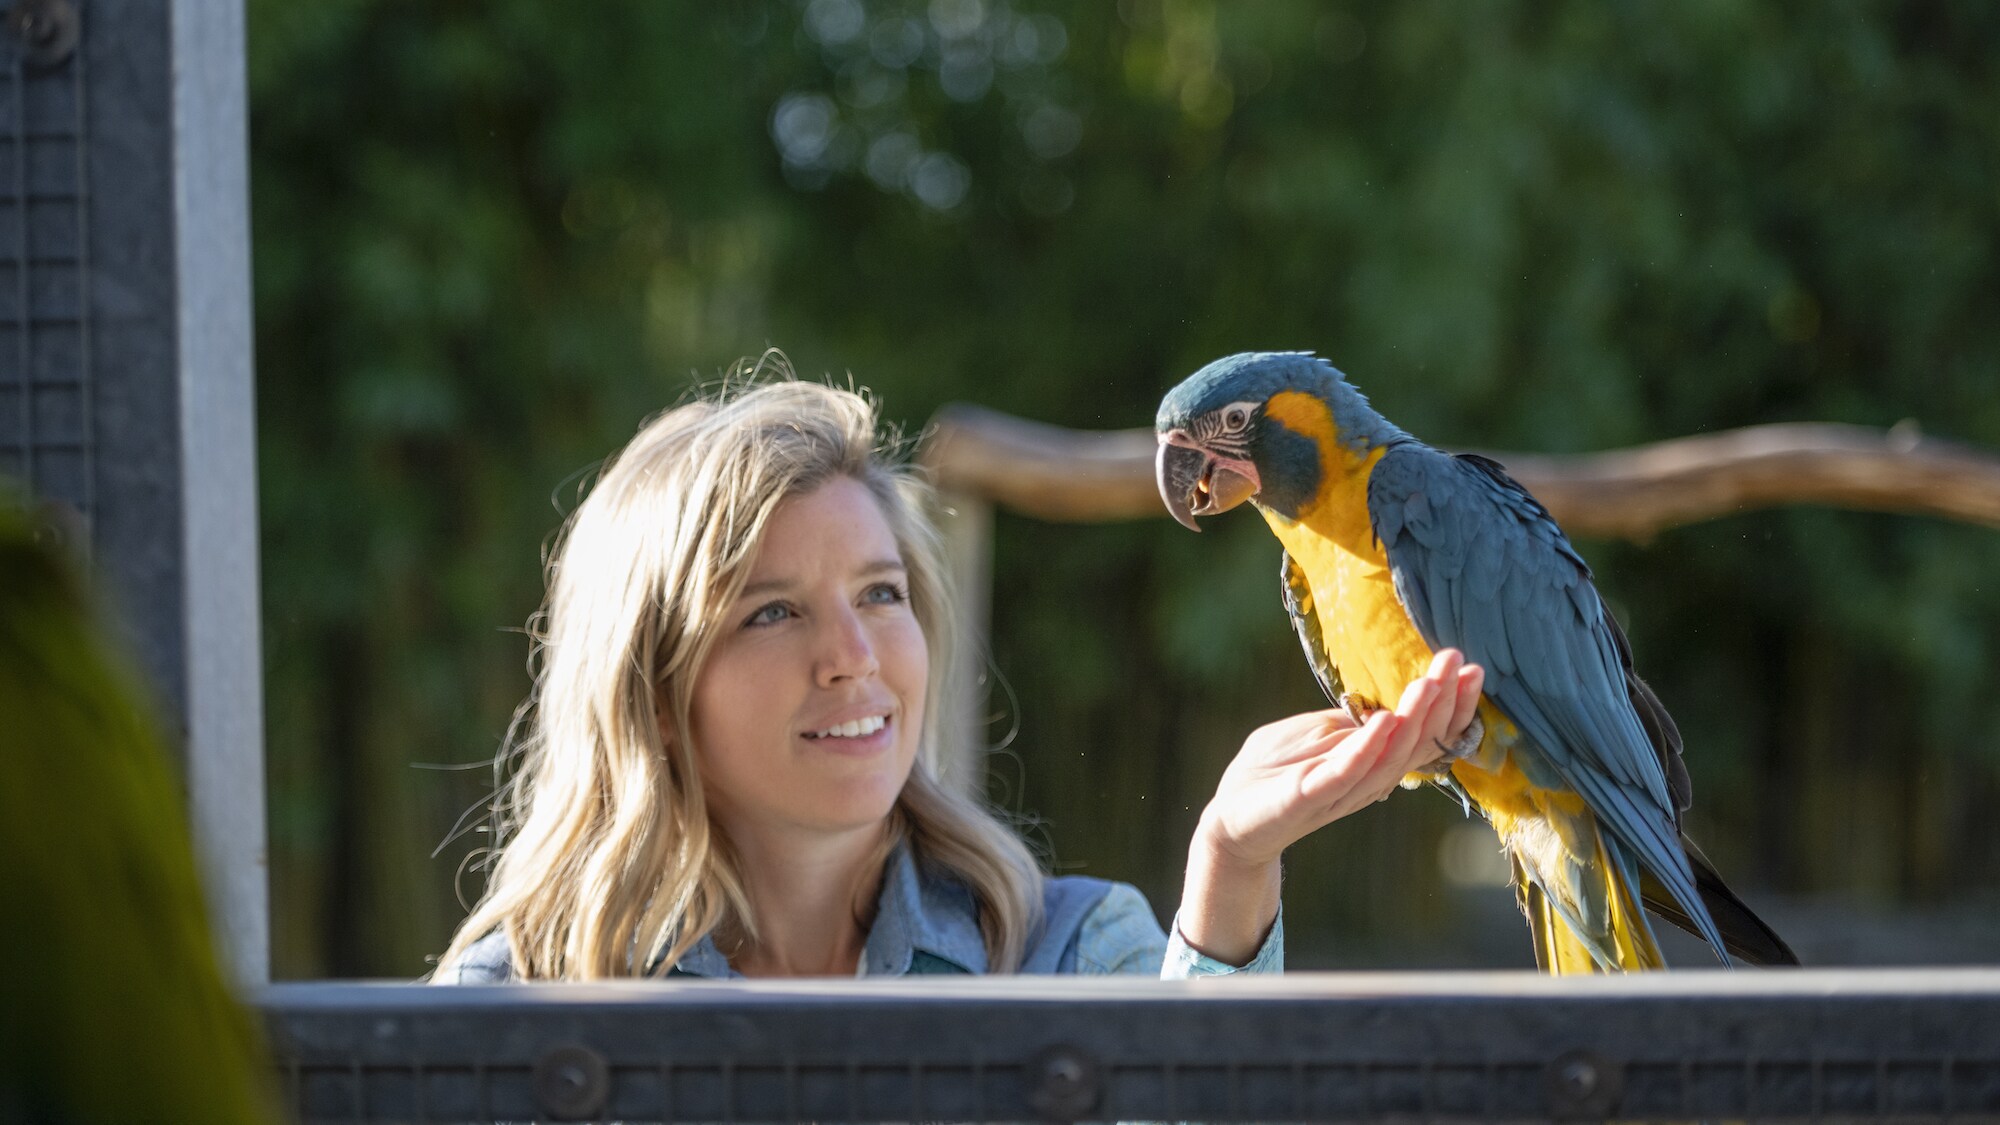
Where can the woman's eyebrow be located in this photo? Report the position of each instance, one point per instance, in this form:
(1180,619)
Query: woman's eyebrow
(767,586)
(781,585)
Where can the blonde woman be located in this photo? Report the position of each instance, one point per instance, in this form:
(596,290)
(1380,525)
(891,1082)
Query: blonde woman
(729,764)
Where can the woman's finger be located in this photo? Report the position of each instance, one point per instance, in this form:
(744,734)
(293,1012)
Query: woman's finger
(1437,719)
(1418,709)
(1420,694)
(1378,773)
(1299,738)
(1466,693)
(1343,765)
(1445,663)
(1386,770)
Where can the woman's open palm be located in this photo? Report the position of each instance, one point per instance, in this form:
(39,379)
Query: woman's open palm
(1304,772)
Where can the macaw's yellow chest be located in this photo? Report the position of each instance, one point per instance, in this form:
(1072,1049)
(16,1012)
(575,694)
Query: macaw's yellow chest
(1368,635)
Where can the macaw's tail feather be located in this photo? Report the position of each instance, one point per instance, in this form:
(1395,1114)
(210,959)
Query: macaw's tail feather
(1746,936)
(1556,951)
(1561,950)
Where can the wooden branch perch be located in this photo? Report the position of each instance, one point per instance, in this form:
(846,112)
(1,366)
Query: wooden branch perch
(1080,476)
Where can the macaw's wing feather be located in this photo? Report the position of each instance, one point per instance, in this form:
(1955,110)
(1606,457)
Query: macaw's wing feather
(1481,567)
(1305,620)
(1660,728)
(1747,937)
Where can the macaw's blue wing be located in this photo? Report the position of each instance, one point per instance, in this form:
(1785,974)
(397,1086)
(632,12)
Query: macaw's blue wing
(1481,567)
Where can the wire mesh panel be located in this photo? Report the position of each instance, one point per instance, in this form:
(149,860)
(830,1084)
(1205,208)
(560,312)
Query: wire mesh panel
(125,382)
(1444,1047)
(45,394)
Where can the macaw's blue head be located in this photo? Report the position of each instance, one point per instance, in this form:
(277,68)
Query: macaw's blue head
(1251,426)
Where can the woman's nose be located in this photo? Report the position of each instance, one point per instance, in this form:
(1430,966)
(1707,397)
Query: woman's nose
(846,651)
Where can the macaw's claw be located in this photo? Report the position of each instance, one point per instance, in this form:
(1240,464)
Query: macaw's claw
(1358,707)
(1461,747)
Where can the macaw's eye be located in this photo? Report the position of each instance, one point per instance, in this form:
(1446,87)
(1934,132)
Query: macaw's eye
(1235,418)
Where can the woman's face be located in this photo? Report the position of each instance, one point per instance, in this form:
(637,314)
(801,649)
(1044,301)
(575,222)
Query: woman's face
(807,715)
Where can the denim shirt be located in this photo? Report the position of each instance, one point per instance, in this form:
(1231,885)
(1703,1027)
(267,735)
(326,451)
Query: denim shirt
(927,922)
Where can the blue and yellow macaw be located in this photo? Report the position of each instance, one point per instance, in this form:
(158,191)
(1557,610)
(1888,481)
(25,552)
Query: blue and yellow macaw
(1393,550)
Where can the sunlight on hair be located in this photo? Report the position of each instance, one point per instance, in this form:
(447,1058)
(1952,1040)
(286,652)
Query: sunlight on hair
(608,863)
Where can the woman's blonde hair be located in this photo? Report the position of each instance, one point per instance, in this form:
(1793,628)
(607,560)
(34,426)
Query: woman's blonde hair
(612,858)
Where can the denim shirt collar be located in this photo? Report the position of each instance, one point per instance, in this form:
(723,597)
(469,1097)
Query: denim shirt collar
(917,912)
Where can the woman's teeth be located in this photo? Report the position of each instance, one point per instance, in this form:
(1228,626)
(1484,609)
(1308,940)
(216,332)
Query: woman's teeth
(859,728)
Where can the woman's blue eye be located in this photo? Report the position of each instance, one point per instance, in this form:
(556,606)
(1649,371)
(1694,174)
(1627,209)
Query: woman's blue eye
(770,614)
(887,593)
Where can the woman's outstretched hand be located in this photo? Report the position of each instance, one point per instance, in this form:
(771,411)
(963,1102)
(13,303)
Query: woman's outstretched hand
(1300,774)
(1307,771)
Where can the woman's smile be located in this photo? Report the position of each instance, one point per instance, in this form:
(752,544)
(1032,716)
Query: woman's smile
(869,734)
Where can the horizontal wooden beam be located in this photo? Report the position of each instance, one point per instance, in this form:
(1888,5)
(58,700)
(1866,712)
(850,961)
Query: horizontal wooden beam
(1054,473)
(1034,469)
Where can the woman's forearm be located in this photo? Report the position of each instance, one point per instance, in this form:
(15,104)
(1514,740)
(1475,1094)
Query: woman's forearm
(1227,904)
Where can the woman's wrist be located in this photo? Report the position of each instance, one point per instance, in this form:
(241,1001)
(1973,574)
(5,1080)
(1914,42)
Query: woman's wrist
(1215,845)
(1229,900)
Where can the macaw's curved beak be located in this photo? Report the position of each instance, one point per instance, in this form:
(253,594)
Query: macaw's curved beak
(1195,483)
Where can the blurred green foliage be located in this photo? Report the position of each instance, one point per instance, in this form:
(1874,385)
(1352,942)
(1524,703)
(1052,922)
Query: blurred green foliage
(490,238)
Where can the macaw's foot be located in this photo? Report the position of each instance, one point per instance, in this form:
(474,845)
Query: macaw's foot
(1461,747)
(1358,707)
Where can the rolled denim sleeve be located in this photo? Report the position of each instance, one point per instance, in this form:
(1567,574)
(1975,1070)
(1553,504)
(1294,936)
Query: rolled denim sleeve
(1184,961)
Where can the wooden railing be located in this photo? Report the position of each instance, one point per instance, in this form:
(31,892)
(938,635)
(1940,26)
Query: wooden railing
(1054,473)
(979,458)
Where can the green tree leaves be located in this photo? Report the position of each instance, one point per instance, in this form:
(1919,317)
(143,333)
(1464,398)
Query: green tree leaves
(490,239)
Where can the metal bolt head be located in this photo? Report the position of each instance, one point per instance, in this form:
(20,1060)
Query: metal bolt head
(1063,1084)
(46,28)
(1582,1086)
(572,1083)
